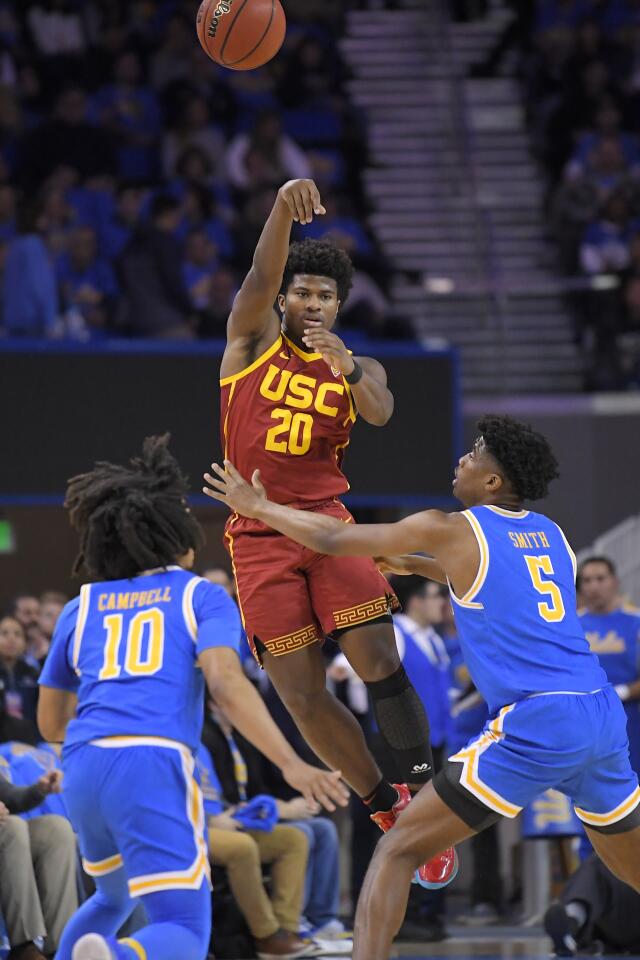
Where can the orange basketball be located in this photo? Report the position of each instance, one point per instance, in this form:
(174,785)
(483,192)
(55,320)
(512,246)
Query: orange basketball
(241,34)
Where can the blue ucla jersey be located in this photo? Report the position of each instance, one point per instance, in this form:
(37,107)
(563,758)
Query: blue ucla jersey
(615,638)
(128,648)
(518,625)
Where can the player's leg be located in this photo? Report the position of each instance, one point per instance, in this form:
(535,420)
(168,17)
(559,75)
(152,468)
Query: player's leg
(620,852)
(423,829)
(179,925)
(402,720)
(103,913)
(329,728)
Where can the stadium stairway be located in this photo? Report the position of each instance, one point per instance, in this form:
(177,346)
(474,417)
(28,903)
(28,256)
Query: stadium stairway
(457,198)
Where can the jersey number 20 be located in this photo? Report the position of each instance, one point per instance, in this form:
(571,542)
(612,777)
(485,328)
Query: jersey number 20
(552,611)
(138,662)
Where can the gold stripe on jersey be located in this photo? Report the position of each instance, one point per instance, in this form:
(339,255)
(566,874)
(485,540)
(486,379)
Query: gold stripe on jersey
(469,598)
(307,357)
(226,418)
(256,363)
(83,612)
(229,538)
(370,610)
(469,758)
(618,813)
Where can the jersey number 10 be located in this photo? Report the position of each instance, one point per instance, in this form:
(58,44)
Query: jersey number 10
(147,624)
(552,611)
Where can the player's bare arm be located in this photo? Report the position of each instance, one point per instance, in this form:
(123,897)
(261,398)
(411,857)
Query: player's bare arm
(254,324)
(412,563)
(447,536)
(242,703)
(373,398)
(56,708)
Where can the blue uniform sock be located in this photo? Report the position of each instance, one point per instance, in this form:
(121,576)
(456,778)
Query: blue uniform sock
(104,912)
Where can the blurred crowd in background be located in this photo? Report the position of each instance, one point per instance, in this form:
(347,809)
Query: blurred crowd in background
(136,175)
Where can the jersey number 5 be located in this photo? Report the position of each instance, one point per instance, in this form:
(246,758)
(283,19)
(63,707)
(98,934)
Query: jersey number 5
(146,625)
(554,611)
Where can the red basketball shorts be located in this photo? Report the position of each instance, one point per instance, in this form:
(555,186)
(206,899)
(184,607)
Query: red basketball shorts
(290,596)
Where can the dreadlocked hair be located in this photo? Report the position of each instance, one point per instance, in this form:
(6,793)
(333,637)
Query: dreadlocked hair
(525,455)
(132,518)
(317,258)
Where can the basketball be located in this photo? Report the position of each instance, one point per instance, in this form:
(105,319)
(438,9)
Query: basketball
(241,34)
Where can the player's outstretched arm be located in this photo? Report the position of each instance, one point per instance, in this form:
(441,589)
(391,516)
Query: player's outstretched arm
(244,707)
(412,563)
(252,311)
(429,530)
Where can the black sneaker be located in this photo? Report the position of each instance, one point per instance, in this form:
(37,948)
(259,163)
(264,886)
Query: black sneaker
(562,929)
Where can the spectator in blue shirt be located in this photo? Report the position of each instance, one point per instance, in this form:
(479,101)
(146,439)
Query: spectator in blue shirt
(116,229)
(87,283)
(199,265)
(30,294)
(131,112)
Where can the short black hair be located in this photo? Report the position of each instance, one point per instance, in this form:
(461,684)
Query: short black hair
(132,518)
(598,558)
(318,258)
(524,454)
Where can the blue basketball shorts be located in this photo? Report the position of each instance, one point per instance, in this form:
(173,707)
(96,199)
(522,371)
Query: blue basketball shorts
(134,803)
(574,743)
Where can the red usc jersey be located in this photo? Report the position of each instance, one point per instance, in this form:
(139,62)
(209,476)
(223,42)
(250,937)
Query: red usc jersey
(290,416)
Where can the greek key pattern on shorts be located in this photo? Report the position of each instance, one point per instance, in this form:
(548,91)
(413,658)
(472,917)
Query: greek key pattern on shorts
(292,641)
(361,613)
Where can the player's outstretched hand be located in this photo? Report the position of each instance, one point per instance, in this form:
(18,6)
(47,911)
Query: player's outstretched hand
(303,199)
(334,353)
(325,787)
(4,813)
(230,488)
(51,782)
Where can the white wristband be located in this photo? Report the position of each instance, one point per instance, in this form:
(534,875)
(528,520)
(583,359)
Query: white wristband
(623,690)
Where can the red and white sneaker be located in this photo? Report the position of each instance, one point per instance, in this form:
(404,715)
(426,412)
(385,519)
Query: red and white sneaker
(435,873)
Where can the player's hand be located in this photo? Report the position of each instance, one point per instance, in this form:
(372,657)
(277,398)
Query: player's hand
(230,488)
(51,782)
(334,353)
(303,199)
(315,785)
(398,565)
(4,814)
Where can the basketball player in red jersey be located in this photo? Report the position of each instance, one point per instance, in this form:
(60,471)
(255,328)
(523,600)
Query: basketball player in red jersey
(290,394)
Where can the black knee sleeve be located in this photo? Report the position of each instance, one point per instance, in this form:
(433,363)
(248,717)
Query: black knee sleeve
(403,724)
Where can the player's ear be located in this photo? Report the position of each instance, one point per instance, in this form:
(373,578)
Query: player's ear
(281,302)
(494,482)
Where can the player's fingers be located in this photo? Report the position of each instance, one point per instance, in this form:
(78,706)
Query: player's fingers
(210,479)
(256,481)
(307,200)
(300,214)
(218,485)
(325,802)
(316,201)
(231,470)
(214,495)
(218,469)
